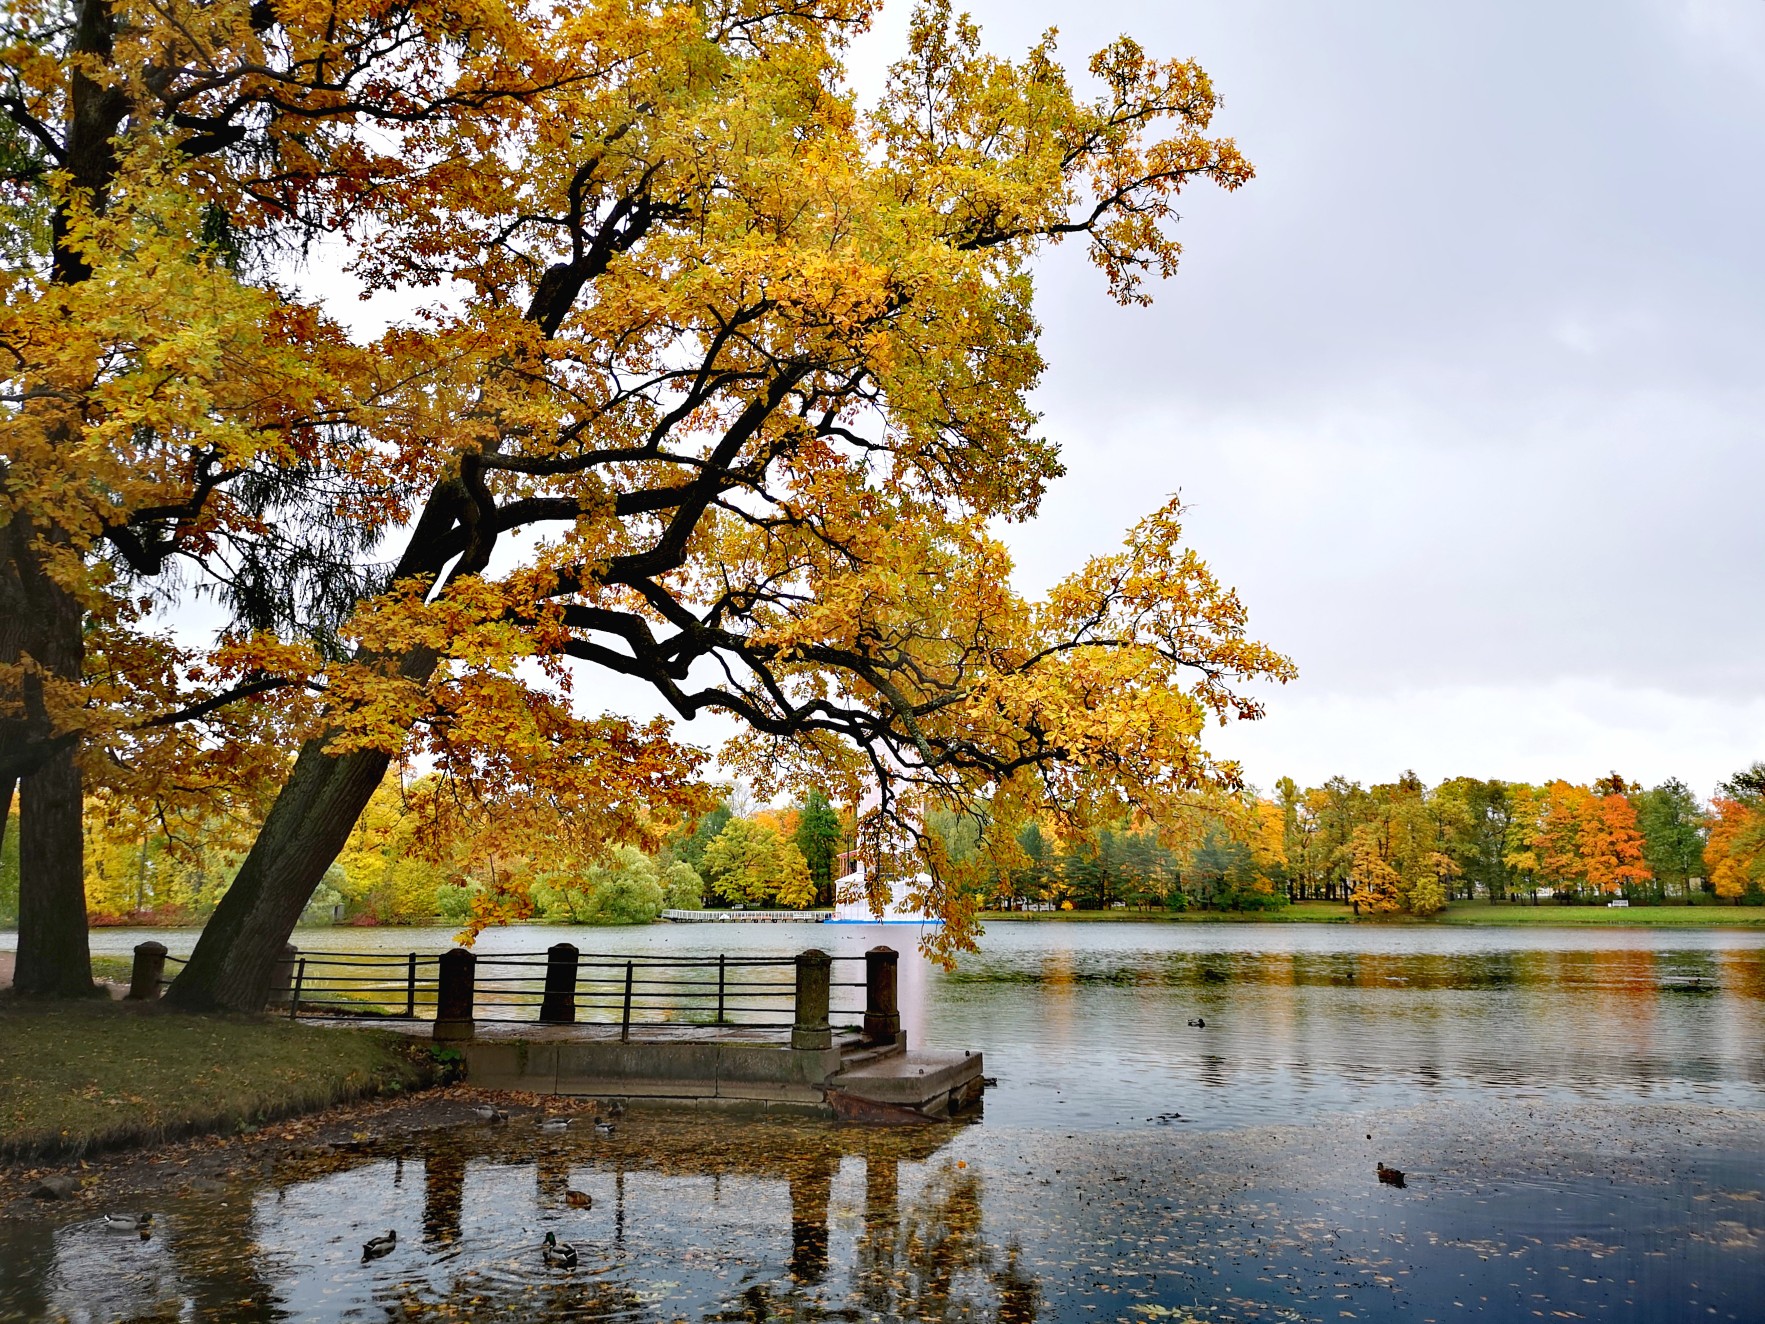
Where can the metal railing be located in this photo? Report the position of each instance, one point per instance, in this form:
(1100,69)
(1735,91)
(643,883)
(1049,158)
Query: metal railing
(401,987)
(754,992)
(561,985)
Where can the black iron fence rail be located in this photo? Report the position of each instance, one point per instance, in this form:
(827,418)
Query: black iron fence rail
(567,986)
(756,993)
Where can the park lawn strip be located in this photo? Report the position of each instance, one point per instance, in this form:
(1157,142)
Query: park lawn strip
(1460,914)
(117,969)
(1700,916)
(80,1077)
(1300,912)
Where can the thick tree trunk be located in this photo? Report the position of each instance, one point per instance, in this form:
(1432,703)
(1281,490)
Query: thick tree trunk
(53,959)
(307,826)
(230,969)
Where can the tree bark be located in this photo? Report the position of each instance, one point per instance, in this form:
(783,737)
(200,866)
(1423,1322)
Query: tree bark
(53,958)
(235,957)
(231,968)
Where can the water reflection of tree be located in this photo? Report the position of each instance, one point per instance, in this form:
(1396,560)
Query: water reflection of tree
(933,1263)
(928,1263)
(220,1263)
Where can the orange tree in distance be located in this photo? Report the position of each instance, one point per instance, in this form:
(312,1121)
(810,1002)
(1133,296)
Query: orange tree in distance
(745,367)
(1734,856)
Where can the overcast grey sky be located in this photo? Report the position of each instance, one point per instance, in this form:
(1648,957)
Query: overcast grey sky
(1465,389)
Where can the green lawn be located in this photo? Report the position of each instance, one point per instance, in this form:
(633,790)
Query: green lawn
(1304,912)
(118,968)
(1683,917)
(1459,913)
(76,1077)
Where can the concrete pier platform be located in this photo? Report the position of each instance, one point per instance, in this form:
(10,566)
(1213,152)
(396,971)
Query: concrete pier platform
(728,1067)
(732,1075)
(662,1050)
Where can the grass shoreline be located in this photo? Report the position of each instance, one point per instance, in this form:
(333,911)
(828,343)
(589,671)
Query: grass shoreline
(1461,914)
(78,1078)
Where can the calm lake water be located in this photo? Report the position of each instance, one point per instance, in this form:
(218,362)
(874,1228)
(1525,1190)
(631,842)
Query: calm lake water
(1581,1115)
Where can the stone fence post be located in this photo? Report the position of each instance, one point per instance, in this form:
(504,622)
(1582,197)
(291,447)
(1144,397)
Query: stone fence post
(812,1030)
(149,969)
(882,1009)
(453,994)
(558,1007)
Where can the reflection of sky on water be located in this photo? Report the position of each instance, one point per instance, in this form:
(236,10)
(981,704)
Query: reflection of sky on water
(101,1274)
(1579,1113)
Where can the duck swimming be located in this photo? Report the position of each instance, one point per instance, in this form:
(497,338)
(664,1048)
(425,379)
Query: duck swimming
(553,1123)
(558,1254)
(486,1113)
(1390,1176)
(128,1222)
(603,1128)
(374,1247)
(578,1199)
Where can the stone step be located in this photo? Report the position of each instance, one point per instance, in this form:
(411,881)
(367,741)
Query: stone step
(929,1081)
(853,1056)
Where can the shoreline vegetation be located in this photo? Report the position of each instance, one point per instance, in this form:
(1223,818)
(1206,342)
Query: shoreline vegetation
(1403,850)
(1460,914)
(1702,913)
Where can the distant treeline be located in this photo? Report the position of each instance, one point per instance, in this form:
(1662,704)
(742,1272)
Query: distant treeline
(409,860)
(1404,846)
(1396,846)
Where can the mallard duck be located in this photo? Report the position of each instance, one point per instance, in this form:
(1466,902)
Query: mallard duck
(128,1222)
(578,1199)
(1198,1024)
(553,1123)
(374,1247)
(1390,1176)
(558,1254)
(486,1113)
(603,1128)
(616,1108)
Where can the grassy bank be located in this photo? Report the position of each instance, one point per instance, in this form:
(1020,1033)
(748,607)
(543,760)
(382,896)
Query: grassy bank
(1303,912)
(78,1077)
(1465,913)
(1671,917)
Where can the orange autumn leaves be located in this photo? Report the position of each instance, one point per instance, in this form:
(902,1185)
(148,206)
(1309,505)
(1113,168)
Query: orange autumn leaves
(1735,853)
(1578,837)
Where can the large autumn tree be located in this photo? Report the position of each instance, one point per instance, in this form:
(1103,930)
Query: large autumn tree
(725,391)
(175,416)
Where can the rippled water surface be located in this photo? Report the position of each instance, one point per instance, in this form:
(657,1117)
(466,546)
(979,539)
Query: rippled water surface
(1578,1112)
